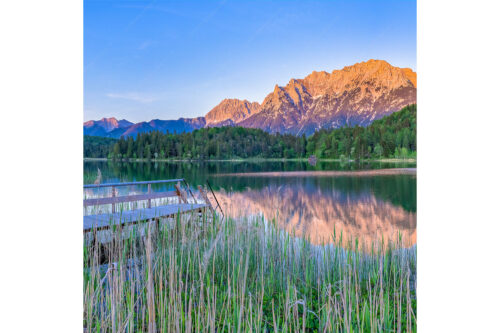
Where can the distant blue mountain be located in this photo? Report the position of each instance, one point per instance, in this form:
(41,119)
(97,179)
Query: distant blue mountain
(111,128)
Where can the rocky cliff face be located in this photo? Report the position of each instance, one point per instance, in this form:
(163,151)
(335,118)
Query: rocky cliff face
(356,94)
(231,111)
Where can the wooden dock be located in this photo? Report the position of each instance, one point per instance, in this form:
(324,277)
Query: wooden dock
(126,217)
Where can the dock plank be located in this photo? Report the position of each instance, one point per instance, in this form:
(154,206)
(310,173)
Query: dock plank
(128,198)
(103,221)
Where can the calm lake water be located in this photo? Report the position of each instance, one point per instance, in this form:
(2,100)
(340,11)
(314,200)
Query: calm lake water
(367,207)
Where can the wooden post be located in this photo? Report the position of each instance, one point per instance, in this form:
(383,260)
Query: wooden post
(113,194)
(205,197)
(192,195)
(180,193)
(157,225)
(149,192)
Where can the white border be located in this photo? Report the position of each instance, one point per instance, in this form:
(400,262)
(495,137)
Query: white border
(41,80)
(458,116)
(41,73)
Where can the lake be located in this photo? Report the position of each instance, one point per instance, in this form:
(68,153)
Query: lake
(316,201)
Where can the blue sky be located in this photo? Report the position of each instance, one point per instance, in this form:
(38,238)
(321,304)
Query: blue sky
(169,59)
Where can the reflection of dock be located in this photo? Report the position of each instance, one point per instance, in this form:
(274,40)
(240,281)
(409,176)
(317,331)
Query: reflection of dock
(177,202)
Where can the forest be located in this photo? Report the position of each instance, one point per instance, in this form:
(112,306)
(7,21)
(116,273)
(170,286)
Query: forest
(393,136)
(97,146)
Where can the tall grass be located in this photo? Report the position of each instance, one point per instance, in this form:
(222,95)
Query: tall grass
(244,275)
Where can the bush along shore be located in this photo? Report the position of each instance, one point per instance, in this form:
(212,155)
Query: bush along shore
(244,275)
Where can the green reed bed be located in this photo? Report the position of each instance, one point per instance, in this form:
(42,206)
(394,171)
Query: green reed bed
(244,276)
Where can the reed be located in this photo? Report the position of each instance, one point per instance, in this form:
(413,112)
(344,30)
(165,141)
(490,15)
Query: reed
(244,275)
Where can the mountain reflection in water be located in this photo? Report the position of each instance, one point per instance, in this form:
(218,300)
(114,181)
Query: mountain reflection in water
(316,212)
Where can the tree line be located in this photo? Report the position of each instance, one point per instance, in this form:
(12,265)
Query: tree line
(391,136)
(97,146)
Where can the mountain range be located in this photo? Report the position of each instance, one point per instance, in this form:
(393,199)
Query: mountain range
(354,95)
(104,126)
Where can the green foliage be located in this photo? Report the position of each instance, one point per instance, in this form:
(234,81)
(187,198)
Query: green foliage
(148,152)
(96,146)
(198,274)
(212,143)
(391,136)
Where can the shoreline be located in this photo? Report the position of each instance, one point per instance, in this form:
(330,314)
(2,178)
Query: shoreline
(332,173)
(381,160)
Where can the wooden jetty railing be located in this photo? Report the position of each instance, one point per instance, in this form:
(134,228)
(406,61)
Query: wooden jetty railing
(217,201)
(204,195)
(113,200)
(103,221)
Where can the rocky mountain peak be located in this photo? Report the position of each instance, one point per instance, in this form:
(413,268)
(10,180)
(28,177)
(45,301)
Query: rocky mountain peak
(232,109)
(107,124)
(356,94)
